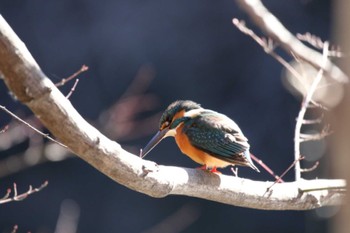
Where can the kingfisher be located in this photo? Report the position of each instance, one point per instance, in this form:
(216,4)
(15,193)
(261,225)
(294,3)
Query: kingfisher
(209,138)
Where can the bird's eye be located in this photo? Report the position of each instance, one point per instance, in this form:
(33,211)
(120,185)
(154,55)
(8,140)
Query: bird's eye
(164,125)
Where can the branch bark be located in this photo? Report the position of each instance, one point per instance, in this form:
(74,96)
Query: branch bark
(29,84)
(275,29)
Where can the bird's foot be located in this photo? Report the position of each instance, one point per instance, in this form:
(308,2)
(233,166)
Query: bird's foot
(214,170)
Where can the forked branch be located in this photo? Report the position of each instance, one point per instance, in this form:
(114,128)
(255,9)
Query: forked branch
(304,105)
(20,197)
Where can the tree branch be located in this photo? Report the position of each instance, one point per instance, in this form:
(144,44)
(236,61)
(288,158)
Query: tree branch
(21,197)
(25,79)
(275,29)
(304,105)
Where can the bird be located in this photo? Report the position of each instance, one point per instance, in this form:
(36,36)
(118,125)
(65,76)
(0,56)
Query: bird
(209,138)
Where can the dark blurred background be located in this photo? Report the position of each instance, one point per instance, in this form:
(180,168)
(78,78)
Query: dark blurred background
(142,55)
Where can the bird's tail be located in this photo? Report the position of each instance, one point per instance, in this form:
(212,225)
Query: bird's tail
(249,160)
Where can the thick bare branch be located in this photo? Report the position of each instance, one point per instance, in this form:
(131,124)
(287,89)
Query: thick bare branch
(25,79)
(266,21)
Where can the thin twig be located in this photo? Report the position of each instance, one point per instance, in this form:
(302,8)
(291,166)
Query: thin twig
(316,42)
(8,192)
(273,28)
(304,74)
(313,40)
(73,88)
(15,189)
(304,105)
(313,121)
(30,126)
(314,104)
(234,171)
(267,46)
(286,171)
(313,137)
(292,165)
(65,80)
(269,170)
(23,196)
(311,168)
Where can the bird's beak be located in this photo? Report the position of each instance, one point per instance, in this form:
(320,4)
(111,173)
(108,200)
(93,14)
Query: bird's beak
(154,141)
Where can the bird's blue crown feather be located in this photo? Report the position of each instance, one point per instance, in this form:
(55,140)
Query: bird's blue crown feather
(176,107)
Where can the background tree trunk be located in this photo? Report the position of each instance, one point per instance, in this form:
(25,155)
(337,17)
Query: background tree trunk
(341,146)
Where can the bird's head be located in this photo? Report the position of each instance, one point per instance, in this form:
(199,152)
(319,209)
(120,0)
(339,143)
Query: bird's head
(172,117)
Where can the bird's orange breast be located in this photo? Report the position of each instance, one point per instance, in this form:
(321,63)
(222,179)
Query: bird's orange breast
(194,153)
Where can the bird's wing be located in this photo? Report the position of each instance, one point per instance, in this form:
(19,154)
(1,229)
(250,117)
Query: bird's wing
(218,135)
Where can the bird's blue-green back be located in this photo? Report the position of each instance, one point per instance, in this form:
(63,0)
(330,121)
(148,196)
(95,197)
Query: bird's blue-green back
(217,135)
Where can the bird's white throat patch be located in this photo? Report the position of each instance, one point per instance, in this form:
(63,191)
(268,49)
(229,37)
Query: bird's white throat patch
(170,133)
